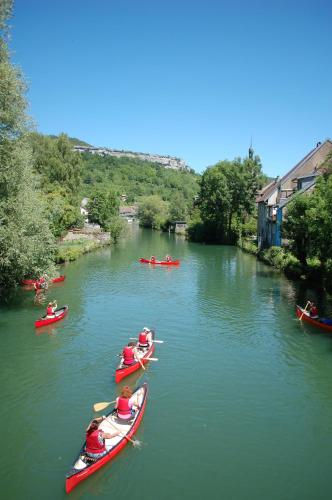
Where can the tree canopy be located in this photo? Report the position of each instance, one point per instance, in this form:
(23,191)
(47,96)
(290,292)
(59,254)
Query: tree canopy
(227,197)
(26,243)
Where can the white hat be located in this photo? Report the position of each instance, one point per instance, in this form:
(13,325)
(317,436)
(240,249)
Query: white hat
(146,329)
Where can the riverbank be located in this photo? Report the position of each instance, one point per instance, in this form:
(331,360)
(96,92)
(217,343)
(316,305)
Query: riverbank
(80,242)
(283,260)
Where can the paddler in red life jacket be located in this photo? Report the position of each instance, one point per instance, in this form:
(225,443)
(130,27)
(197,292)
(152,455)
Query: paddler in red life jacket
(168,258)
(144,338)
(129,354)
(153,258)
(125,403)
(51,308)
(95,439)
(313,311)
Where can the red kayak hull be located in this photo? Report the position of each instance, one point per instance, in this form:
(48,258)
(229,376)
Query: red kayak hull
(160,262)
(47,321)
(73,480)
(54,280)
(301,313)
(122,372)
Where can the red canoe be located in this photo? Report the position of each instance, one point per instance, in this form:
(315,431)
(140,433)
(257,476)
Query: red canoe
(54,280)
(83,467)
(123,371)
(160,262)
(323,323)
(59,314)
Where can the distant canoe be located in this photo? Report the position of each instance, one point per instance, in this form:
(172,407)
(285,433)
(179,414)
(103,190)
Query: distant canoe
(54,280)
(160,262)
(58,315)
(322,323)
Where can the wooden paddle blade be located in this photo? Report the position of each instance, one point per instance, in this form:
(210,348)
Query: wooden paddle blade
(102,405)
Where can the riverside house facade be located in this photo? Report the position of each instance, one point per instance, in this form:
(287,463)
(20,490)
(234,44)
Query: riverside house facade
(272,200)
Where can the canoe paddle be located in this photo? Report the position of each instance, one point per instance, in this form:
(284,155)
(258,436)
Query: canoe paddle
(154,341)
(135,442)
(102,405)
(304,309)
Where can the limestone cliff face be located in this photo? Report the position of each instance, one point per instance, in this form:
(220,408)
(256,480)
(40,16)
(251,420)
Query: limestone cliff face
(166,161)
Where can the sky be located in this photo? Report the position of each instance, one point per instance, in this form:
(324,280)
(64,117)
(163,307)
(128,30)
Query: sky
(196,79)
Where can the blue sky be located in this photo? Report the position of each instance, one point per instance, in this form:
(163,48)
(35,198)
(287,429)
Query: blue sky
(194,79)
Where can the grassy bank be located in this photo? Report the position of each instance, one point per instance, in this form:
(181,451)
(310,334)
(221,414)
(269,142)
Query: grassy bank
(71,250)
(284,260)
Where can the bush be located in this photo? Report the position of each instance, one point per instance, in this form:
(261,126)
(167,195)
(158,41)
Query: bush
(248,246)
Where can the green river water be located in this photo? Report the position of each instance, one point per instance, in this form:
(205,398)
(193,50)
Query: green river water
(240,401)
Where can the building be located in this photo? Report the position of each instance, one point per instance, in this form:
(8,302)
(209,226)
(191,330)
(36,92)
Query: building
(128,212)
(273,199)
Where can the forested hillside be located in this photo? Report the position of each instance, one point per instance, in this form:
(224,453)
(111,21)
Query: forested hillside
(137,178)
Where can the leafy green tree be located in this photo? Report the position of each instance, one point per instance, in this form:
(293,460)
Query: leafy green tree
(178,208)
(227,196)
(117,227)
(26,243)
(308,222)
(152,211)
(61,213)
(57,164)
(103,206)
(320,219)
(296,226)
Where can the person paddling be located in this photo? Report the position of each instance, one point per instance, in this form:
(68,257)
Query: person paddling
(153,258)
(125,404)
(129,354)
(313,311)
(144,338)
(168,258)
(51,308)
(95,439)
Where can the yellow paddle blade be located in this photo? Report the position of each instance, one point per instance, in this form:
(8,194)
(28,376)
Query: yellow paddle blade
(101,406)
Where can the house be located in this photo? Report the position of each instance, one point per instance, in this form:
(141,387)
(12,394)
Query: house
(178,226)
(128,212)
(274,198)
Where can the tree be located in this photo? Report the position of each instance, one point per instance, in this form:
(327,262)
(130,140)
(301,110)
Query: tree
(178,208)
(296,226)
(57,164)
(103,206)
(152,211)
(308,222)
(228,191)
(26,243)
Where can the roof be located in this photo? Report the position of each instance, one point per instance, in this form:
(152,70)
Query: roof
(283,203)
(306,158)
(265,193)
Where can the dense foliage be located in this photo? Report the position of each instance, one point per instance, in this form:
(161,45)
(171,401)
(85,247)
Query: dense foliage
(26,243)
(136,178)
(308,222)
(59,171)
(227,199)
(153,212)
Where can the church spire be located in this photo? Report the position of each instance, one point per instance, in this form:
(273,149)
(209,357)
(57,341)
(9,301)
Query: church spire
(251,150)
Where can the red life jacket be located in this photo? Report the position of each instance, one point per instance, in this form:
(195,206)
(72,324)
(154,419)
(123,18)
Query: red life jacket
(142,339)
(49,311)
(124,407)
(314,311)
(128,355)
(41,280)
(92,443)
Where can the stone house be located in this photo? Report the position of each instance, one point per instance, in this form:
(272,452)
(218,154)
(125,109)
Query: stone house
(272,200)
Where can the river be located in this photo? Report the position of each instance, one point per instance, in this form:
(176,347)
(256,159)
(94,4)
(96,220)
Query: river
(240,401)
